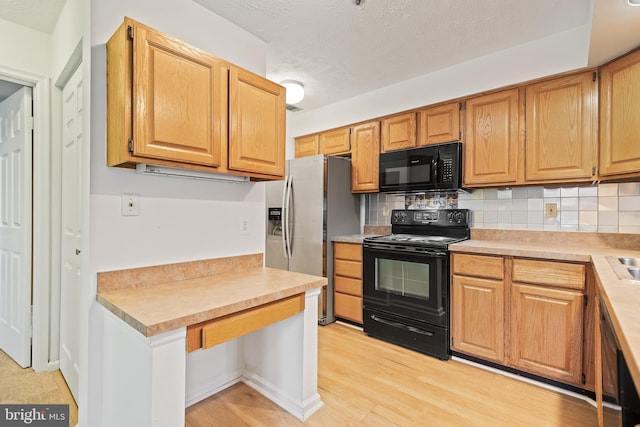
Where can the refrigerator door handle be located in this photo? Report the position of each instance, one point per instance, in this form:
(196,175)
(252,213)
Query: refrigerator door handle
(287,212)
(284,216)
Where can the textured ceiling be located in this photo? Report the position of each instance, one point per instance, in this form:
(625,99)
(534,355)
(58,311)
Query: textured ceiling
(40,15)
(340,50)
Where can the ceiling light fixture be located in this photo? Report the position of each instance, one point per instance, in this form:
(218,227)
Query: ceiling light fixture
(633,2)
(295,91)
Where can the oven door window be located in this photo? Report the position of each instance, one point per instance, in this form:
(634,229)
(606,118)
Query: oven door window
(403,278)
(407,284)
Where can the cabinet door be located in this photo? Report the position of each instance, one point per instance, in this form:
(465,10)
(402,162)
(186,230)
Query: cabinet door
(307,145)
(335,141)
(492,145)
(561,129)
(179,101)
(256,124)
(365,156)
(620,117)
(399,132)
(546,332)
(477,323)
(439,124)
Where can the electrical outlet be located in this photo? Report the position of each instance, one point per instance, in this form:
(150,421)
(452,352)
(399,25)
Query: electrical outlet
(551,210)
(130,204)
(244,225)
(385,210)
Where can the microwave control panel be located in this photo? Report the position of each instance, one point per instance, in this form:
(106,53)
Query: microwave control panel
(447,169)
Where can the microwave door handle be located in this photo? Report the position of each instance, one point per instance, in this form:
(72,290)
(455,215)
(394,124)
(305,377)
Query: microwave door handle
(435,164)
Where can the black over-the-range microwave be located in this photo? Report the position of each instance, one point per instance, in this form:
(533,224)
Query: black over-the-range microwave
(428,168)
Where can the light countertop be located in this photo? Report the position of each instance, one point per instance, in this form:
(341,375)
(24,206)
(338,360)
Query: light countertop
(352,238)
(166,306)
(621,297)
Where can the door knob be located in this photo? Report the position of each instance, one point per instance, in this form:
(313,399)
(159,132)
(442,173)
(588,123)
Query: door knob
(77,251)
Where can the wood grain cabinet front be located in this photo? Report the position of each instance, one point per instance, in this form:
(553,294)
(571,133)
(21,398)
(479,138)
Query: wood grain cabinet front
(171,104)
(365,153)
(562,129)
(335,141)
(439,124)
(620,118)
(307,145)
(525,314)
(347,271)
(493,144)
(399,132)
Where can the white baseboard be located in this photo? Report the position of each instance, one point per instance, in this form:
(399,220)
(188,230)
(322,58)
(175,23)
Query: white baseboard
(196,395)
(301,410)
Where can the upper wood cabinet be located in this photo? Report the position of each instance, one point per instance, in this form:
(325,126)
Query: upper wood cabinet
(365,150)
(493,139)
(307,145)
(561,129)
(439,124)
(399,132)
(256,123)
(620,117)
(335,141)
(171,104)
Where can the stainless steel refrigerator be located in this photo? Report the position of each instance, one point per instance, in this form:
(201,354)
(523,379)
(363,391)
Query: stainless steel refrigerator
(313,204)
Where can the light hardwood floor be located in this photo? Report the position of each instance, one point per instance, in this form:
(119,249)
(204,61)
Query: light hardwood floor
(367,382)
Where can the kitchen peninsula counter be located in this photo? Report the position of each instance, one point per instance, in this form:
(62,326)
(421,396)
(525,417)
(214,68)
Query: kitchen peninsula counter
(621,297)
(149,315)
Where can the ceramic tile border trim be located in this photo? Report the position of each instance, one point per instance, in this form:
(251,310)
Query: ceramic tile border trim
(154,275)
(377,229)
(559,238)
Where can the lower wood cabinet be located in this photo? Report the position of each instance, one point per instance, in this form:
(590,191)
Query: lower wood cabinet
(525,314)
(478,317)
(347,279)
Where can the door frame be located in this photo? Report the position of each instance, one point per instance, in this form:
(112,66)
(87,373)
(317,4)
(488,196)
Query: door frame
(41,214)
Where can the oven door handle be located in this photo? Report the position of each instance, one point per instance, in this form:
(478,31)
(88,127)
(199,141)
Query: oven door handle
(401,326)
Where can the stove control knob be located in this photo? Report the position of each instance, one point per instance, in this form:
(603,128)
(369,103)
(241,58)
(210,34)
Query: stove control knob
(459,216)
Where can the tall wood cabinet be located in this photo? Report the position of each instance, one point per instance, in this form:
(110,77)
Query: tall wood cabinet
(620,117)
(171,104)
(494,142)
(561,129)
(365,150)
(523,313)
(347,279)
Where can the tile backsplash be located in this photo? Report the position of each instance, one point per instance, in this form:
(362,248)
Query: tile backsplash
(606,208)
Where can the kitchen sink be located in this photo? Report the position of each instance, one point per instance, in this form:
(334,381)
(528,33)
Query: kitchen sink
(626,268)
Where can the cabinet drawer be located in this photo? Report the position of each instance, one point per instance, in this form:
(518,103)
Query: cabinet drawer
(348,307)
(478,265)
(351,251)
(348,285)
(557,274)
(212,332)
(348,268)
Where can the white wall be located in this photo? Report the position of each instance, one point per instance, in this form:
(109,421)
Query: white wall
(180,219)
(24,49)
(554,54)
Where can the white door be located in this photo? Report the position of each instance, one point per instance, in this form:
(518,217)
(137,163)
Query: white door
(70,301)
(16,124)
